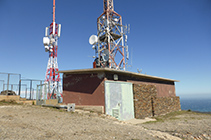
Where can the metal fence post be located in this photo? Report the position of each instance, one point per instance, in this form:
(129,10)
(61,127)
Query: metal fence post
(8,79)
(2,84)
(37,94)
(19,85)
(30,89)
(45,93)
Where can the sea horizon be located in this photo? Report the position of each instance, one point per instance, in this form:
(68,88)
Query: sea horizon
(196,104)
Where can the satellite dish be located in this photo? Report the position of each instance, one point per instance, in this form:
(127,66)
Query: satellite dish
(93,39)
(46,41)
(116,19)
(46,48)
(105,55)
(93,47)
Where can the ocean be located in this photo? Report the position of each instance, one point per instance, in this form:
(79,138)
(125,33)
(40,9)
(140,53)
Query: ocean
(201,105)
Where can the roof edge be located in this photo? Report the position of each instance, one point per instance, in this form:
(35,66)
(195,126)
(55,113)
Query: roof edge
(78,71)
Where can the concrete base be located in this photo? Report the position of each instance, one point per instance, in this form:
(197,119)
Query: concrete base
(52,102)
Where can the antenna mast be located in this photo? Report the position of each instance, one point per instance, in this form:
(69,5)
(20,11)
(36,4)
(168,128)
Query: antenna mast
(54,8)
(50,41)
(110,44)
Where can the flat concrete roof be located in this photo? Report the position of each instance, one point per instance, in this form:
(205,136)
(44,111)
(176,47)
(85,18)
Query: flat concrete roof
(133,74)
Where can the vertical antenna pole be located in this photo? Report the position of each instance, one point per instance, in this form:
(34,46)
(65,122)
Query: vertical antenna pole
(54,24)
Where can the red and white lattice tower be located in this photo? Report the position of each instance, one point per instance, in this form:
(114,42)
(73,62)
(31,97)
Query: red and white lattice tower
(110,44)
(50,41)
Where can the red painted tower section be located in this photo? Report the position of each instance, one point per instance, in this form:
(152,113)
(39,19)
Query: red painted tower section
(52,78)
(110,44)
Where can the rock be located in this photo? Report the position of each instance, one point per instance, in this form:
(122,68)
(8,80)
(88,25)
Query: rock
(10,92)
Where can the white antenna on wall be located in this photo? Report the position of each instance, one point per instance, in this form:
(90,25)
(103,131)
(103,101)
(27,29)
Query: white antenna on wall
(139,71)
(131,59)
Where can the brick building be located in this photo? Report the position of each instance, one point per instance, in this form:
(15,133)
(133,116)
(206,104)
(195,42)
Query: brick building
(124,95)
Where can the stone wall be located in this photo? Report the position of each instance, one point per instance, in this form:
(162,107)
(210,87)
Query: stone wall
(165,105)
(143,96)
(148,104)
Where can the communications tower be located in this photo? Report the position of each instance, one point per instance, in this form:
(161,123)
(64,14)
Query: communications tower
(50,41)
(110,44)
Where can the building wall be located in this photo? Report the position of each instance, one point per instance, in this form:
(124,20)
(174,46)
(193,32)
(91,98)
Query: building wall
(164,88)
(143,96)
(163,105)
(84,89)
(147,103)
(151,97)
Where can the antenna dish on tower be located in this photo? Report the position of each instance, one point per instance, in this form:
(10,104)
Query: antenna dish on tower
(110,44)
(93,39)
(46,41)
(106,55)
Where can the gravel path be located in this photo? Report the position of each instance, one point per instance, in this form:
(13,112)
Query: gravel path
(34,122)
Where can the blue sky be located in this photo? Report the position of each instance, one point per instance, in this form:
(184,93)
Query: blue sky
(168,38)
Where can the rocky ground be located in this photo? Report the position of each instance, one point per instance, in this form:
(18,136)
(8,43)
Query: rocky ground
(34,122)
(186,125)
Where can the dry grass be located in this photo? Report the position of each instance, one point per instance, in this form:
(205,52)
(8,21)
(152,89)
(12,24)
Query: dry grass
(10,102)
(174,116)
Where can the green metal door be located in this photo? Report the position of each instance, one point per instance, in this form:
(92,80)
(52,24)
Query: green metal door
(119,100)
